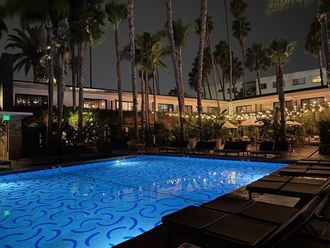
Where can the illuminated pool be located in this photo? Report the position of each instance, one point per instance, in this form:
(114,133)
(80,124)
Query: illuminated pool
(103,204)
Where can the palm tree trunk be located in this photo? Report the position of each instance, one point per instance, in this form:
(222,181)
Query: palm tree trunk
(326,44)
(203,18)
(80,86)
(50,65)
(230,54)
(154,96)
(169,13)
(60,85)
(281,99)
(119,80)
(209,87)
(147,105)
(157,81)
(319,58)
(143,105)
(259,81)
(180,66)
(73,75)
(243,66)
(213,71)
(90,67)
(131,25)
(221,82)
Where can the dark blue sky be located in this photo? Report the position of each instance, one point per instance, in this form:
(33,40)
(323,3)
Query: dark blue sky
(150,16)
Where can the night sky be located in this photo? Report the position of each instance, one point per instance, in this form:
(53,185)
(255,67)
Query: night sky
(150,16)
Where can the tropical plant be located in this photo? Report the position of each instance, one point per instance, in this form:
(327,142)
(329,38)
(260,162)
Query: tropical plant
(257,60)
(313,44)
(174,56)
(279,53)
(131,26)
(116,14)
(3,26)
(230,55)
(202,39)
(30,43)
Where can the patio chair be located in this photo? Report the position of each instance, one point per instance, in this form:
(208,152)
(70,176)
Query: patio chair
(233,147)
(202,147)
(176,147)
(265,148)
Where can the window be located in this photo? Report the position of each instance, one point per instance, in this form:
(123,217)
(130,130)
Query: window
(244,109)
(310,101)
(188,108)
(288,105)
(213,109)
(30,100)
(258,107)
(127,106)
(263,86)
(162,107)
(316,79)
(299,81)
(95,103)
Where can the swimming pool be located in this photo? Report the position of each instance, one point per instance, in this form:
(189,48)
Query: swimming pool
(105,203)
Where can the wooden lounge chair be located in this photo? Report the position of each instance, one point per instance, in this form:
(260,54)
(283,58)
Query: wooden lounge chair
(202,147)
(176,147)
(257,225)
(267,148)
(233,147)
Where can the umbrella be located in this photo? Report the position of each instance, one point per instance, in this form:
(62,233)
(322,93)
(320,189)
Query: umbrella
(293,123)
(251,122)
(229,125)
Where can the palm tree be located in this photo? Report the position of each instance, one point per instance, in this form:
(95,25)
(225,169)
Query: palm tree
(48,13)
(131,26)
(221,57)
(313,44)
(86,19)
(230,55)
(174,55)
(237,74)
(116,14)
(29,41)
(241,27)
(279,53)
(323,12)
(181,34)
(202,39)
(3,26)
(257,60)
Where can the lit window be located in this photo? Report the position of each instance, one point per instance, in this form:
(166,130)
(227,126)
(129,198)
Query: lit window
(244,109)
(310,101)
(127,106)
(165,107)
(95,103)
(188,108)
(30,100)
(316,79)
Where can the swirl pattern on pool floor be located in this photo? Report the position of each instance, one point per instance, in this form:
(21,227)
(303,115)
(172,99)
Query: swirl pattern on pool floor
(103,204)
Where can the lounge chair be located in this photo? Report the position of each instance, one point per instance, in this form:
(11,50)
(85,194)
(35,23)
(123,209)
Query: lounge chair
(305,188)
(202,147)
(266,148)
(258,224)
(233,147)
(176,147)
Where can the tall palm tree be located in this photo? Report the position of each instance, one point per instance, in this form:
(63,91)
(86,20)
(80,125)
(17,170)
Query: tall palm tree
(116,14)
(170,30)
(202,39)
(48,13)
(241,28)
(131,27)
(87,17)
(181,34)
(323,13)
(257,60)
(230,55)
(221,57)
(29,41)
(237,74)
(279,53)
(3,26)
(313,44)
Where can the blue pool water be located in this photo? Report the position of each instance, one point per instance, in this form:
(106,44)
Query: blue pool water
(103,204)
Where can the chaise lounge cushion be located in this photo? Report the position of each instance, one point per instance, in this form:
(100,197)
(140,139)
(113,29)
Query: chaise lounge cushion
(193,217)
(228,204)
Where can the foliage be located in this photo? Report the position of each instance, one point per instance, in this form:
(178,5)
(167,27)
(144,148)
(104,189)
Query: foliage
(280,50)
(313,40)
(3,26)
(181,32)
(116,13)
(256,58)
